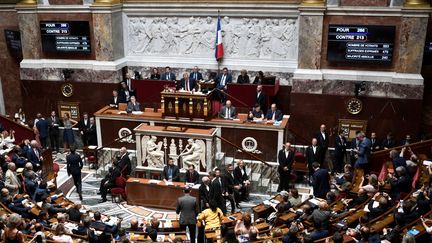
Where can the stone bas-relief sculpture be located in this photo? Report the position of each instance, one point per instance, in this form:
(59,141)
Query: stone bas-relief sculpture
(153,152)
(195,36)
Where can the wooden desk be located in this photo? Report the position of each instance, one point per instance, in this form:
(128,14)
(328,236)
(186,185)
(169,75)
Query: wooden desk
(186,104)
(141,192)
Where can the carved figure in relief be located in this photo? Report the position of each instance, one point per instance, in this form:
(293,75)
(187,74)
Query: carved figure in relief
(194,153)
(241,33)
(229,38)
(266,47)
(278,47)
(289,34)
(172,148)
(206,40)
(155,155)
(254,41)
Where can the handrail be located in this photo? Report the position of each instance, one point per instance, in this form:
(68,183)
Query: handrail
(114,141)
(18,124)
(411,145)
(232,97)
(240,148)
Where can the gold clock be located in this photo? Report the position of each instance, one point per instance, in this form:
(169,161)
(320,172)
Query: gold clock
(67,90)
(354,106)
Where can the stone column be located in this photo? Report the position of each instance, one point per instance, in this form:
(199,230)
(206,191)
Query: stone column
(107,30)
(29,27)
(412,40)
(310,37)
(416,3)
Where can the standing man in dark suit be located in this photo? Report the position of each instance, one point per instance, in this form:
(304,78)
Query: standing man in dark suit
(186,83)
(43,127)
(124,162)
(168,75)
(34,155)
(91,132)
(339,154)
(83,126)
(313,154)
(171,172)
(232,188)
(323,141)
(204,193)
(285,158)
(133,105)
(191,175)
(261,99)
(364,150)
(54,124)
(195,75)
(274,114)
(376,145)
(218,191)
(74,166)
(125,93)
(187,207)
(114,100)
(320,181)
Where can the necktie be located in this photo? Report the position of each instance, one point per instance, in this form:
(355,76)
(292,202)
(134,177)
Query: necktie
(169,75)
(195,76)
(36,152)
(223,80)
(258,94)
(228,113)
(273,116)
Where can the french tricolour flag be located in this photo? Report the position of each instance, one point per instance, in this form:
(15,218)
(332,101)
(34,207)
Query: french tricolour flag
(219,45)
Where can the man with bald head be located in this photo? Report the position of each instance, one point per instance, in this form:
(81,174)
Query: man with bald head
(313,154)
(204,192)
(34,155)
(285,158)
(228,112)
(323,141)
(124,162)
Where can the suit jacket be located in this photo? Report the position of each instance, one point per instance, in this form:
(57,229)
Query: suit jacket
(340,146)
(175,173)
(155,76)
(54,124)
(33,158)
(171,77)
(125,165)
(192,84)
(74,214)
(216,190)
(131,107)
(320,183)
(388,143)
(187,207)
(261,99)
(74,164)
(230,182)
(243,79)
(322,142)
(43,127)
(195,76)
(228,80)
(194,178)
(401,184)
(82,126)
(364,152)
(313,157)
(123,96)
(278,115)
(115,102)
(92,135)
(223,110)
(399,161)
(238,176)
(284,160)
(375,143)
(204,195)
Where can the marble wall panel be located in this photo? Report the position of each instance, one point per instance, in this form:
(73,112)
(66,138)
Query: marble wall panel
(117,36)
(30,38)
(102,24)
(79,75)
(375,3)
(9,71)
(310,41)
(373,89)
(412,39)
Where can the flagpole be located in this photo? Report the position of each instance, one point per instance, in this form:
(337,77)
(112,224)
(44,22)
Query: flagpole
(218,60)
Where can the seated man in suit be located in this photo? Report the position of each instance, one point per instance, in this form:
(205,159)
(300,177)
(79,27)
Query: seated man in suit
(192,175)
(133,105)
(114,100)
(186,83)
(168,75)
(274,114)
(228,111)
(195,75)
(171,172)
(223,79)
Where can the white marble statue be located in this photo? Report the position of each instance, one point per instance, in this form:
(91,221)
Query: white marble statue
(194,153)
(155,155)
(243,38)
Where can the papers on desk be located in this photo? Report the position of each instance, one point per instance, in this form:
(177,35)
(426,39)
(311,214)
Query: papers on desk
(169,183)
(272,203)
(112,221)
(196,186)
(92,147)
(314,201)
(153,181)
(121,112)
(427,162)
(236,119)
(137,112)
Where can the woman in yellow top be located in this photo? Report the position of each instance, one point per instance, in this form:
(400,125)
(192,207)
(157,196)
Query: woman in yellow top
(212,216)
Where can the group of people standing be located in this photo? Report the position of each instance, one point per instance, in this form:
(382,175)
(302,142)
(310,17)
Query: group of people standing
(49,129)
